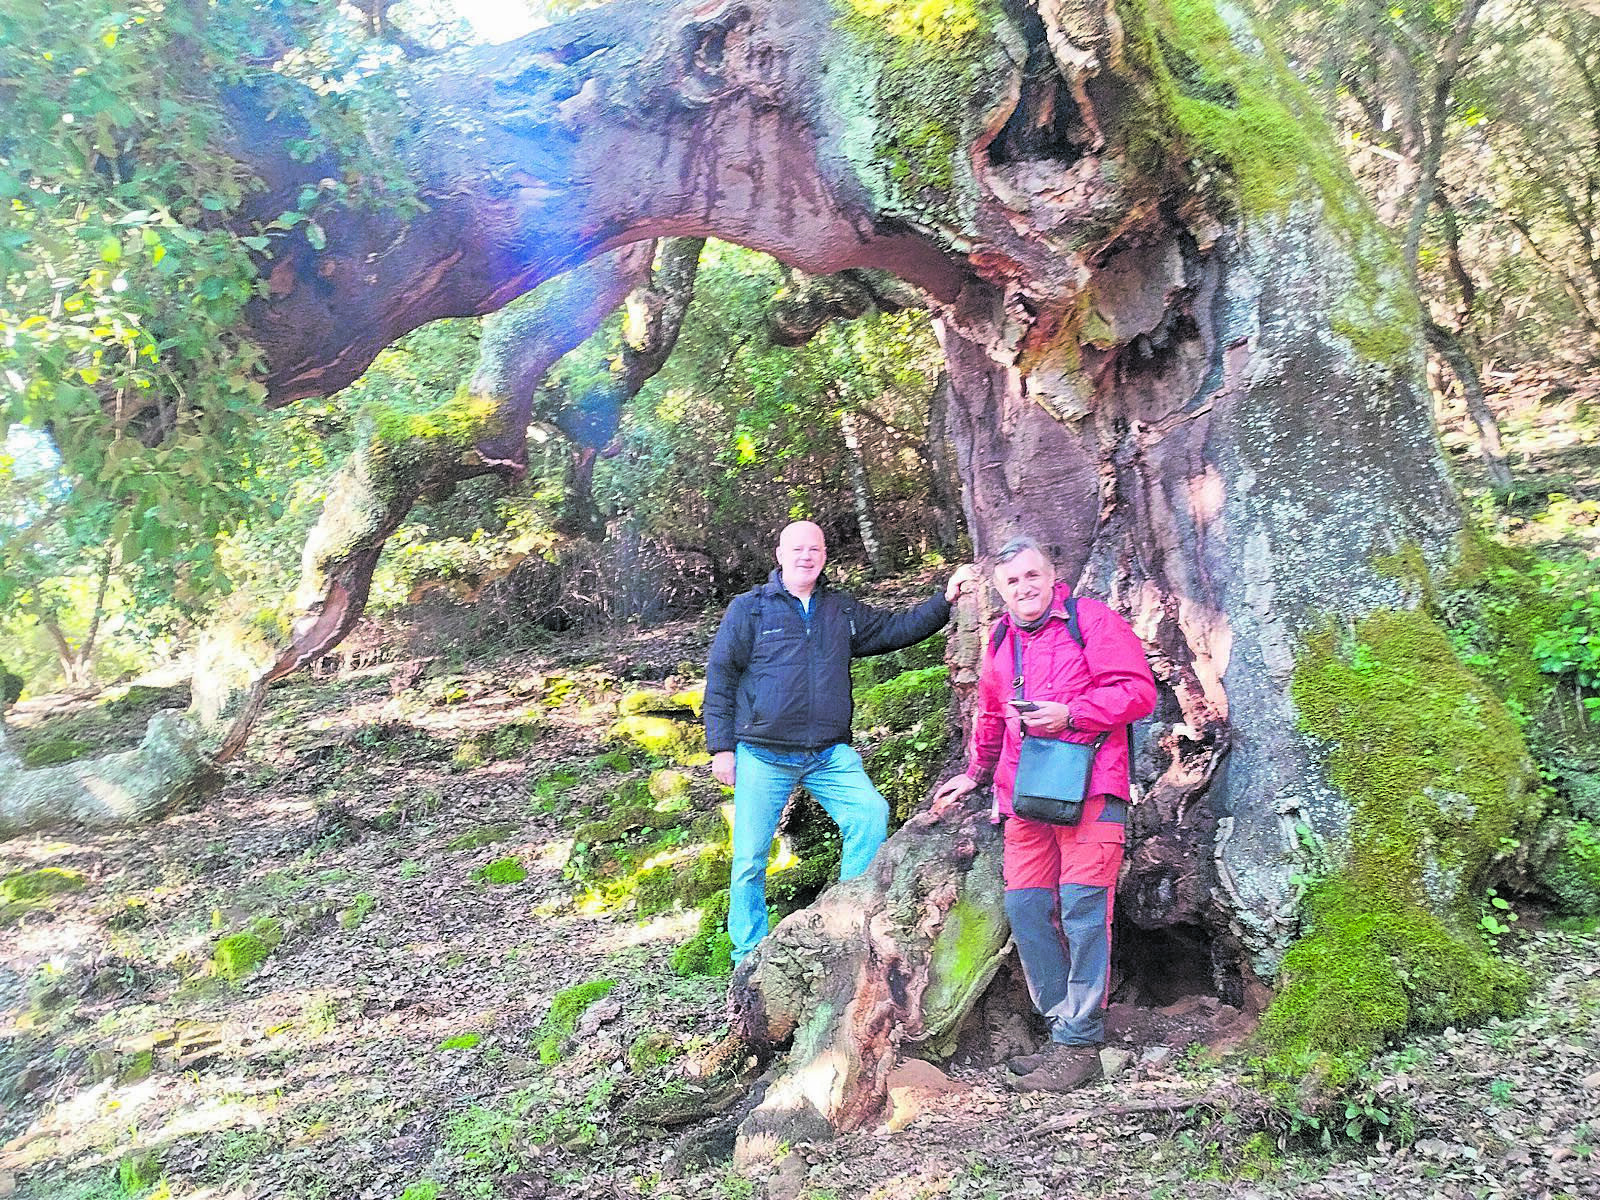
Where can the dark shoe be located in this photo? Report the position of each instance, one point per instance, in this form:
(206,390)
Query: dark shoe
(1065,1069)
(1022,1064)
(1026,1064)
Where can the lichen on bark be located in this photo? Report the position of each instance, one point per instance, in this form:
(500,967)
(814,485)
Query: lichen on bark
(1224,93)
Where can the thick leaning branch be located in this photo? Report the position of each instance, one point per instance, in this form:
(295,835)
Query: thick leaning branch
(878,964)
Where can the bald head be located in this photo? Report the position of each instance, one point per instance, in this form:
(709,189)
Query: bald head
(802,552)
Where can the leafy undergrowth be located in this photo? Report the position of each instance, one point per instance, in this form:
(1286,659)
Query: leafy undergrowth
(415,1020)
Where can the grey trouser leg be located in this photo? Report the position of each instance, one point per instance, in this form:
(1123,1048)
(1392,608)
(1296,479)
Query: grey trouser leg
(1086,921)
(1066,979)
(1031,912)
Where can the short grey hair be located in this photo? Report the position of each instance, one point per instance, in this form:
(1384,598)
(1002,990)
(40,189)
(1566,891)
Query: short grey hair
(1016,546)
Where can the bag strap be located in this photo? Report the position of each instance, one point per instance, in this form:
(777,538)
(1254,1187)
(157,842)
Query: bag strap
(1017,682)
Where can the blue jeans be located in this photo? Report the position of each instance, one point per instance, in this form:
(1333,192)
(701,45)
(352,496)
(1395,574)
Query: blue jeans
(764,778)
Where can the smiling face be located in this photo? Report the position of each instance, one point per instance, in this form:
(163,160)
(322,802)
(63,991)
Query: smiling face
(802,553)
(1027,584)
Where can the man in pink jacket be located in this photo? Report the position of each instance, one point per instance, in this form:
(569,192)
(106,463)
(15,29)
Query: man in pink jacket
(1059,879)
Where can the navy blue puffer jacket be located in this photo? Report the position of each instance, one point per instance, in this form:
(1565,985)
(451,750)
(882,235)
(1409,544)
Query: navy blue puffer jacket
(780,676)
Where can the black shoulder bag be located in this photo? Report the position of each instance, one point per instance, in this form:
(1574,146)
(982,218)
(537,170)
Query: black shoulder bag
(1052,776)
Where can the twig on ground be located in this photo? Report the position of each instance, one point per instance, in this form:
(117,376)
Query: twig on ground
(1170,1104)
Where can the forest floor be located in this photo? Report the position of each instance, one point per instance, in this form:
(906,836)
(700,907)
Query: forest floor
(407,1032)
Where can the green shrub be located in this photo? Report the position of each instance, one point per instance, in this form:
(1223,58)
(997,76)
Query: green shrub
(1572,645)
(865,672)
(905,700)
(1571,871)
(138,1172)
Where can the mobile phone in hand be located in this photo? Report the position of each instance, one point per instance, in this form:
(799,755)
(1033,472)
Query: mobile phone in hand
(1024,705)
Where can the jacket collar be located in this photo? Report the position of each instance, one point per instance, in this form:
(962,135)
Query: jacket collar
(1057,611)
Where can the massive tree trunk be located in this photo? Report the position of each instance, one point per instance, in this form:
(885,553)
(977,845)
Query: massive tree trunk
(1181,355)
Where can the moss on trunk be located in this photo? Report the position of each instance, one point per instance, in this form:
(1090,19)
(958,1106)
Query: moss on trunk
(1441,784)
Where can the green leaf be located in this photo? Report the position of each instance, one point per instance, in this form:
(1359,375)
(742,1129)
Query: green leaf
(110,250)
(256,243)
(315,235)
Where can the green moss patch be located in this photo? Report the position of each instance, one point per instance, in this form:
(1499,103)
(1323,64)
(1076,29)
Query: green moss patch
(615,827)
(461,1041)
(651,1049)
(241,954)
(670,789)
(1439,779)
(484,835)
(924,61)
(138,1172)
(565,1009)
(662,738)
(500,872)
(39,884)
(1231,99)
(50,752)
(880,668)
(661,703)
(511,740)
(359,909)
(1369,970)
(1432,760)
(710,950)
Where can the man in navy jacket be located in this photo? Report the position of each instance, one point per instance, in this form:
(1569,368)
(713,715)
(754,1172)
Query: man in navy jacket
(778,708)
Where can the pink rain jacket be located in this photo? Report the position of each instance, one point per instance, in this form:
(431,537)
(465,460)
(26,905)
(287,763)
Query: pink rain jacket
(1106,684)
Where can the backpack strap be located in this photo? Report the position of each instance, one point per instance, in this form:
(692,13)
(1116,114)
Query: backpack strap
(1076,632)
(1004,623)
